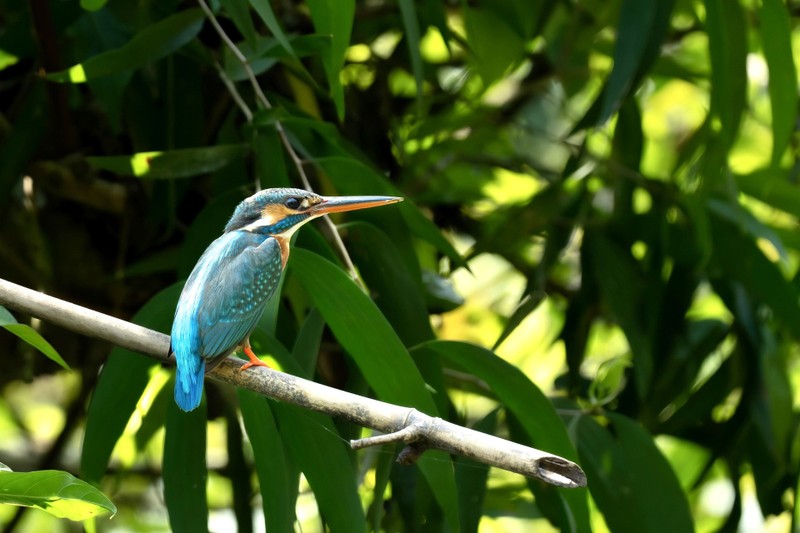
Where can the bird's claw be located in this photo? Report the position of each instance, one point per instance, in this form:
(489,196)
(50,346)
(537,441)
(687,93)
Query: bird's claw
(254,361)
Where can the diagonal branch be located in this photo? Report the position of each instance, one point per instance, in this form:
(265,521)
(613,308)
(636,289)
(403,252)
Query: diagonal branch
(400,424)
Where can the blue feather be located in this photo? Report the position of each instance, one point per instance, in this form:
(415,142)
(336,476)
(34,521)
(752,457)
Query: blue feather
(220,305)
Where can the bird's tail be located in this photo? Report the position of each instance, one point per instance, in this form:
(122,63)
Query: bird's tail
(189,384)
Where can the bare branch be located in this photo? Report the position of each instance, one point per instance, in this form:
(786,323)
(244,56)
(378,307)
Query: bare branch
(400,424)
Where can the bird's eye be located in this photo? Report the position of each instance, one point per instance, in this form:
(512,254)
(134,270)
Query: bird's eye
(292,203)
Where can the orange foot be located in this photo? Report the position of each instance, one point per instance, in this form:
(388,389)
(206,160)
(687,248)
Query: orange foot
(254,361)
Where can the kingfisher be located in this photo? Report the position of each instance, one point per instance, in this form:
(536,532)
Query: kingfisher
(226,293)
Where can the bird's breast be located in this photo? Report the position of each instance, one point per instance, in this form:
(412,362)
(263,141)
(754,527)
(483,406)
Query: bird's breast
(284,244)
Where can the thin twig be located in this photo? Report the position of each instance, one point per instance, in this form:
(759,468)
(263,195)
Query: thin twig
(404,424)
(248,115)
(298,162)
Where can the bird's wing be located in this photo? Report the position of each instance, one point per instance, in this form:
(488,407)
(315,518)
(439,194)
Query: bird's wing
(235,295)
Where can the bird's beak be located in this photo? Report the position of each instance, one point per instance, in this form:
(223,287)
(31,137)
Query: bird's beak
(337,204)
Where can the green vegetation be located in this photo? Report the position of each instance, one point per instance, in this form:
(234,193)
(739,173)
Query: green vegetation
(598,257)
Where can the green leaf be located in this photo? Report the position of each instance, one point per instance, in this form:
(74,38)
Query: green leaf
(495,45)
(240,14)
(321,454)
(754,271)
(19,145)
(727,42)
(614,459)
(398,296)
(31,336)
(93,5)
(409,13)
(59,493)
(306,346)
(264,10)
(270,164)
(776,34)
(335,18)
(621,283)
(365,334)
(151,44)
(184,469)
(274,476)
(182,163)
(354,177)
(471,478)
(362,330)
(534,411)
(122,382)
(528,305)
(771,186)
(633,32)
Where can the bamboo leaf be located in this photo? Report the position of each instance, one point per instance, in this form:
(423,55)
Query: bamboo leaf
(151,44)
(184,468)
(334,18)
(614,459)
(264,10)
(320,453)
(122,381)
(30,336)
(408,12)
(274,472)
(534,411)
(633,32)
(727,41)
(771,186)
(240,14)
(182,163)
(776,39)
(58,493)
(353,177)
(380,355)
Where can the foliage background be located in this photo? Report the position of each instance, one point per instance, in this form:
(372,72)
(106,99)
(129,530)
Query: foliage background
(614,185)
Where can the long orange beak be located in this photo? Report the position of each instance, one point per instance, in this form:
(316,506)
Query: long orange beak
(337,204)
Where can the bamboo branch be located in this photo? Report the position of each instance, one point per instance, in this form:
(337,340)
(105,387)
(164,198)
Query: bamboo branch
(419,431)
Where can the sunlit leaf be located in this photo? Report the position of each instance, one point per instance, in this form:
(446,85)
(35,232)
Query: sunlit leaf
(274,472)
(535,412)
(386,365)
(185,471)
(776,31)
(31,336)
(334,18)
(727,40)
(614,458)
(634,29)
(59,493)
(264,10)
(119,388)
(528,305)
(151,44)
(753,270)
(409,13)
(320,453)
(183,163)
(773,187)
(354,177)
(471,477)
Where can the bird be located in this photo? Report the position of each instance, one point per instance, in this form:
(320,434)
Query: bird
(227,290)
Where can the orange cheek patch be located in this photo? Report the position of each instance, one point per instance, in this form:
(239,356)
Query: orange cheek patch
(274,213)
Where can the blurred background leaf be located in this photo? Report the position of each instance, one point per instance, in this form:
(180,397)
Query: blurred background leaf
(597,255)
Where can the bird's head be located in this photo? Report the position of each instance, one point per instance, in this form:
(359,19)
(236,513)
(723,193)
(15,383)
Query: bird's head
(282,211)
